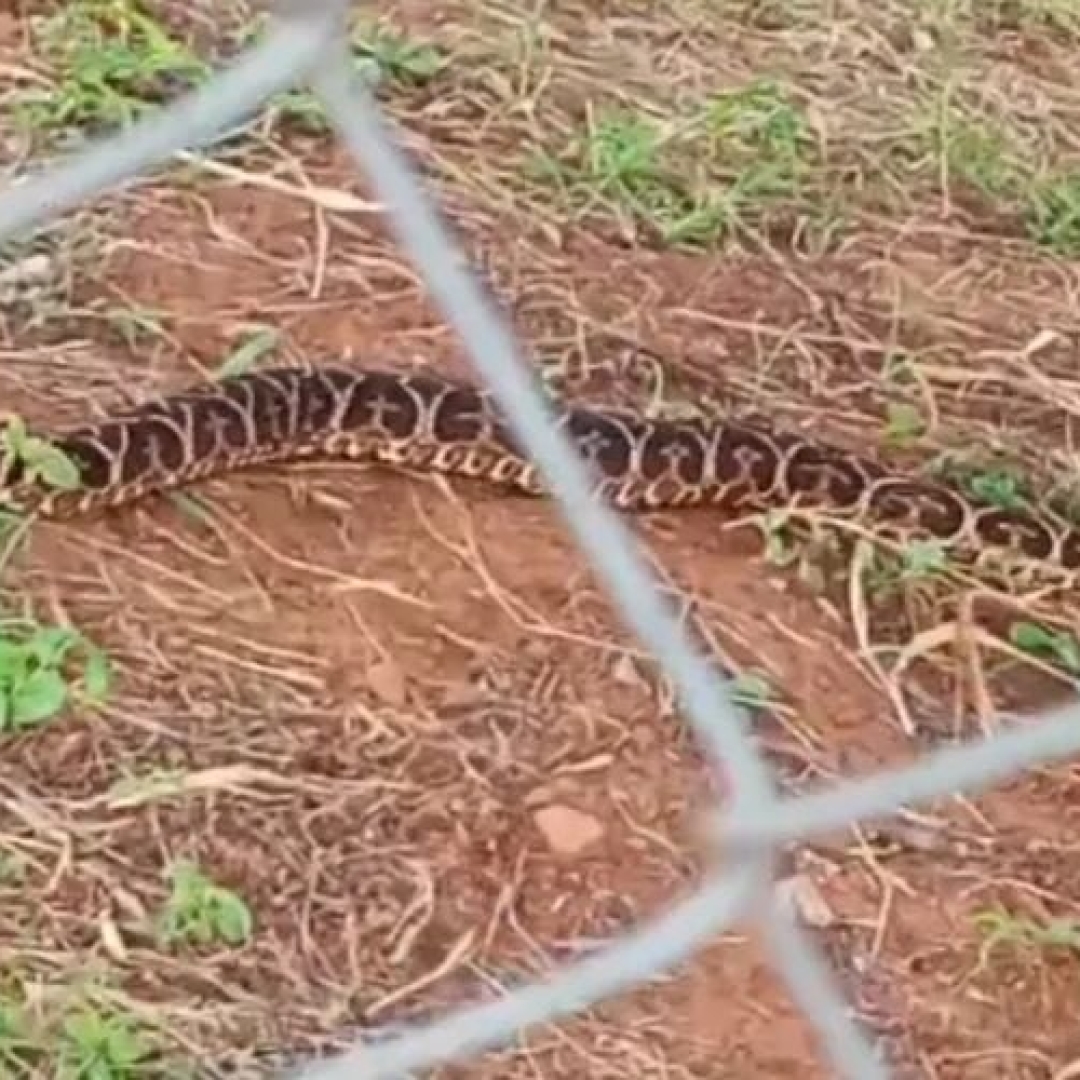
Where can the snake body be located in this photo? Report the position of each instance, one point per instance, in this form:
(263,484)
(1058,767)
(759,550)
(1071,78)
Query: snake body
(425,422)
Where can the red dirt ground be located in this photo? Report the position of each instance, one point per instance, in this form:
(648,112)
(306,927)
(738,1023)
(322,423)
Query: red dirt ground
(374,684)
(380,702)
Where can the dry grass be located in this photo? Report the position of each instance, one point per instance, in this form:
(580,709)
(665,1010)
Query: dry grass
(314,792)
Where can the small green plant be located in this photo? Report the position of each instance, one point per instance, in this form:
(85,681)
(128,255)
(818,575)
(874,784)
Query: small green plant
(17,1045)
(34,681)
(690,178)
(760,141)
(98,1045)
(998,165)
(42,462)
(1001,485)
(998,487)
(923,559)
(899,367)
(917,562)
(1060,16)
(752,690)
(12,869)
(1055,645)
(981,156)
(965,151)
(397,56)
(761,120)
(134,325)
(381,54)
(246,356)
(623,163)
(903,424)
(1053,213)
(1000,927)
(622,153)
(112,61)
(70,1037)
(781,546)
(200,912)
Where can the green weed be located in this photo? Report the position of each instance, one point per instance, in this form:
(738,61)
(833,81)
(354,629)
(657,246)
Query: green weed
(134,325)
(904,424)
(72,1040)
(17,1045)
(200,912)
(621,164)
(922,559)
(993,16)
(381,55)
(916,562)
(1000,927)
(1032,16)
(688,180)
(1055,645)
(752,690)
(1053,213)
(1000,485)
(257,343)
(97,1045)
(41,461)
(1021,180)
(760,128)
(36,678)
(111,61)
(981,156)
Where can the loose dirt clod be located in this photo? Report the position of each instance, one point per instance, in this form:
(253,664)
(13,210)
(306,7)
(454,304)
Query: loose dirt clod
(387,681)
(568,831)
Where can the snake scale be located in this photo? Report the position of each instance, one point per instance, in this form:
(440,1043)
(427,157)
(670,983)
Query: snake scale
(425,422)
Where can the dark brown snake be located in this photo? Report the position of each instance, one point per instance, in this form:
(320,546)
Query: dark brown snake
(430,423)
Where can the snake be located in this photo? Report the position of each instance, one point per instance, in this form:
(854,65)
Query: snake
(427,422)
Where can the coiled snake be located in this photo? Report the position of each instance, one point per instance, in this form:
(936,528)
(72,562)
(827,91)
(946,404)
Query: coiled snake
(430,423)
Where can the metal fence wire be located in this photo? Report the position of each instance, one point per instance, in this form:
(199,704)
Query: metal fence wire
(307,44)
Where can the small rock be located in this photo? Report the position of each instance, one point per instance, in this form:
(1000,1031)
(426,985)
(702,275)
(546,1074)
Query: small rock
(803,899)
(387,682)
(566,830)
(33,270)
(627,673)
(462,695)
(111,940)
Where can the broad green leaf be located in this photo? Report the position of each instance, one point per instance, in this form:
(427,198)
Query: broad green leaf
(53,466)
(245,356)
(14,658)
(14,434)
(41,696)
(50,644)
(232,919)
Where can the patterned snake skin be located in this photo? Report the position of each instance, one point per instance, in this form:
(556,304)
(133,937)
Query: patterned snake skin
(429,423)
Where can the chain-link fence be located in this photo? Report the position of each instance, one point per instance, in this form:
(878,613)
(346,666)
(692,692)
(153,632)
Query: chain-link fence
(307,43)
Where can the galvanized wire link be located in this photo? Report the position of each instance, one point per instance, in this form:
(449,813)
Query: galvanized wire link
(290,50)
(307,43)
(602,537)
(965,768)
